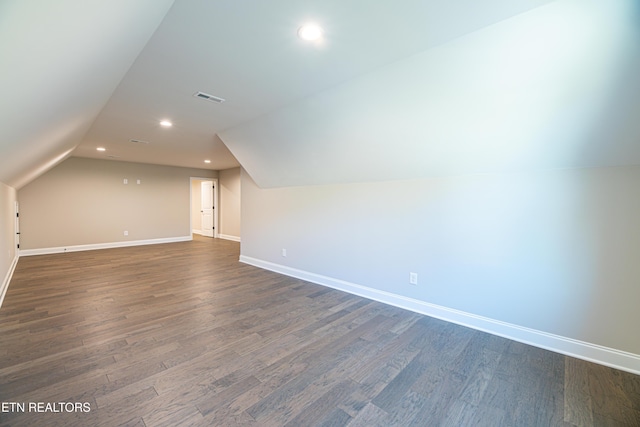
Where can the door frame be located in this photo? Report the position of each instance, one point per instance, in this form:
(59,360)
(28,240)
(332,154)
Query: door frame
(215,203)
(17,228)
(207,188)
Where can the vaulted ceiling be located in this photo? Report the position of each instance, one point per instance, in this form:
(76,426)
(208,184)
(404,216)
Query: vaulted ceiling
(394,90)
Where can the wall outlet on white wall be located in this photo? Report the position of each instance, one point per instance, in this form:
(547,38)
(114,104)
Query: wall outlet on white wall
(284,252)
(126,233)
(413,278)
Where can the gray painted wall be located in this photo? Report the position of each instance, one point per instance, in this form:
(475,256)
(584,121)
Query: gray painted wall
(84,201)
(554,251)
(7,230)
(229,183)
(196,216)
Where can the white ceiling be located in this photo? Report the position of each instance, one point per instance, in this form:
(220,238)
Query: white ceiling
(397,89)
(78,74)
(59,63)
(249,54)
(556,87)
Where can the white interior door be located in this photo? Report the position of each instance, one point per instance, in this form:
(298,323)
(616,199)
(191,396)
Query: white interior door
(207,208)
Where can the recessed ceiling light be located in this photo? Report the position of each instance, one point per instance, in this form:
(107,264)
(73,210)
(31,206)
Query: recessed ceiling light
(207,161)
(310,32)
(166,123)
(101,149)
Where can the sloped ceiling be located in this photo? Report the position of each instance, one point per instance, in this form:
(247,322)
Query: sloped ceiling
(248,53)
(77,74)
(556,87)
(395,90)
(60,61)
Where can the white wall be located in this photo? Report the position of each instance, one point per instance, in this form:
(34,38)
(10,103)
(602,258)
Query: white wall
(553,251)
(230,203)
(7,236)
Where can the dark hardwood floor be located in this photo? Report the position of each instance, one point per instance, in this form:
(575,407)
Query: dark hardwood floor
(182,334)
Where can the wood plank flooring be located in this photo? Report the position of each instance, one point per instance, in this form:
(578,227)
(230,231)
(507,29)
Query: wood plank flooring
(182,334)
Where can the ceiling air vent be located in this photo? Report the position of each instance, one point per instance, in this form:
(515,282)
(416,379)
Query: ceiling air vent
(138,141)
(208,97)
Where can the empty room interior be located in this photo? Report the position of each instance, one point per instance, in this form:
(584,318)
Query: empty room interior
(320,213)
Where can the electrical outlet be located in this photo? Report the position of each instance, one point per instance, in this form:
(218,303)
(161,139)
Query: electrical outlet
(284,252)
(126,233)
(413,278)
(125,181)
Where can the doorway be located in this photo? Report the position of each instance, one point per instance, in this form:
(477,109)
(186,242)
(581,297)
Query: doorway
(204,206)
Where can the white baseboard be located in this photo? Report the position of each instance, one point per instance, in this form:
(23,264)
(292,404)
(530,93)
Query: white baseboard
(7,279)
(78,248)
(582,350)
(196,232)
(228,237)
